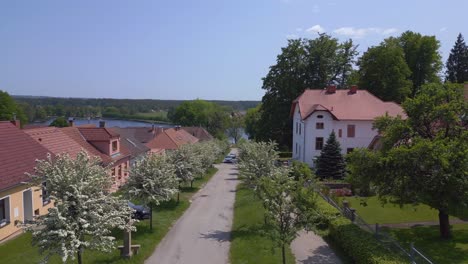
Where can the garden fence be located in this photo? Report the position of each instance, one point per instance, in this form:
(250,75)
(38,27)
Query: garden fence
(414,255)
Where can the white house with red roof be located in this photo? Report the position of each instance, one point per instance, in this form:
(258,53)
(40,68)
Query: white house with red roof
(350,113)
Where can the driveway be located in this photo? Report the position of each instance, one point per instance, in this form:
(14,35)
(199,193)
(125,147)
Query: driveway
(202,234)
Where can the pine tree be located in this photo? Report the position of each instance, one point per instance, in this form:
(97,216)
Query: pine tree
(457,63)
(84,212)
(330,163)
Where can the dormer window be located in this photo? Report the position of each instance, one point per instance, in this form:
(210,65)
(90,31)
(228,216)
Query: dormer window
(114,146)
(320,116)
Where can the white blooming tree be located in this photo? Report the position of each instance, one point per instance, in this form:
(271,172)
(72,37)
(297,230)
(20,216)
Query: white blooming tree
(256,160)
(84,213)
(152,180)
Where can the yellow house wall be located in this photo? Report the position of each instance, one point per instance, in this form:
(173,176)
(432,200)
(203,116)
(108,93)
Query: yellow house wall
(16,201)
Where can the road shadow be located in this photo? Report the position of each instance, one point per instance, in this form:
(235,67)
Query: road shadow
(321,255)
(220,236)
(231,179)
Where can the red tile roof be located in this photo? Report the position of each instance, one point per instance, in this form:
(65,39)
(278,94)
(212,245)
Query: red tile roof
(97,133)
(18,154)
(199,132)
(74,134)
(55,140)
(171,139)
(344,105)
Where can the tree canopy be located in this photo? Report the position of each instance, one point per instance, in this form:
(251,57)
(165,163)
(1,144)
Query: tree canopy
(303,63)
(202,113)
(84,213)
(59,122)
(10,110)
(424,158)
(457,62)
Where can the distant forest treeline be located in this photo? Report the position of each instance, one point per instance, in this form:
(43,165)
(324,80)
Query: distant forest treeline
(39,108)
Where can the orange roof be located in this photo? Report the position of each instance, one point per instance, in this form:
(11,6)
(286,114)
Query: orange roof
(75,135)
(55,140)
(18,154)
(97,133)
(343,105)
(199,132)
(171,139)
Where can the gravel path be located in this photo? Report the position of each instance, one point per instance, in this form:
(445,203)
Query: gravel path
(202,234)
(309,248)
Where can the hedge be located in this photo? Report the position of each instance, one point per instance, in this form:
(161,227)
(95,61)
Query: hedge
(359,245)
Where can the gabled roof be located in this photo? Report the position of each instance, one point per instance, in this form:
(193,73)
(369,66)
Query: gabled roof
(54,140)
(343,105)
(98,133)
(199,132)
(143,134)
(18,154)
(128,140)
(171,139)
(74,134)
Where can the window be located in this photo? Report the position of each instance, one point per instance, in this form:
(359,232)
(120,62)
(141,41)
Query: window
(340,132)
(319,125)
(349,150)
(114,146)
(296,127)
(320,116)
(318,143)
(296,148)
(45,194)
(351,131)
(300,128)
(4,211)
(119,174)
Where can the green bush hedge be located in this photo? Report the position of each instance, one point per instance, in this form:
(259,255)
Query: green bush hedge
(358,244)
(285,155)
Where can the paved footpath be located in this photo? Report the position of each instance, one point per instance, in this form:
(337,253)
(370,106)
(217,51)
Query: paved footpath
(202,234)
(308,248)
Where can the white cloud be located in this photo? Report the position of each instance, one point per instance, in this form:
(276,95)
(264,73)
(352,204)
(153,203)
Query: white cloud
(362,32)
(292,36)
(443,29)
(316,28)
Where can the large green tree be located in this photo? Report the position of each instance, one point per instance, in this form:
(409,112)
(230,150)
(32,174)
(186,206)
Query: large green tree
(422,57)
(10,110)
(424,158)
(384,72)
(303,63)
(457,62)
(252,118)
(202,113)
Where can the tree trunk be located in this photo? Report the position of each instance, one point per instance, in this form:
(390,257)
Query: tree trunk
(151,217)
(178,194)
(444,225)
(80,261)
(191,183)
(284,254)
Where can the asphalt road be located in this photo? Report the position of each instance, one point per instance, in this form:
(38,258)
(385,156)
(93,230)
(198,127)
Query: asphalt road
(202,234)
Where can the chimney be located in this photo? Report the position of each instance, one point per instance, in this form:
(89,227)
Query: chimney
(16,123)
(102,123)
(71,122)
(353,89)
(331,89)
(177,128)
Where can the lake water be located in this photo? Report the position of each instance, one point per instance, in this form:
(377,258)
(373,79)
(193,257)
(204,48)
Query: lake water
(114,123)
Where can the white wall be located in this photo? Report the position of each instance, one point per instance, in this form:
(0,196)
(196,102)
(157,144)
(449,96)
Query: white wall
(363,134)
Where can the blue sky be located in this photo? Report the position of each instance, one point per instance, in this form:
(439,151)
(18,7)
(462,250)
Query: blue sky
(176,49)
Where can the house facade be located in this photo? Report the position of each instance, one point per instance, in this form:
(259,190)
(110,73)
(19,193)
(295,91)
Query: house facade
(19,202)
(349,113)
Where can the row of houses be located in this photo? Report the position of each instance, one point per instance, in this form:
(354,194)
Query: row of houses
(117,148)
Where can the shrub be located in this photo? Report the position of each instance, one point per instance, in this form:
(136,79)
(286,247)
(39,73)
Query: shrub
(358,244)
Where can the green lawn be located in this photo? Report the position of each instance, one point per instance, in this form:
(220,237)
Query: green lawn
(249,243)
(375,212)
(19,250)
(426,239)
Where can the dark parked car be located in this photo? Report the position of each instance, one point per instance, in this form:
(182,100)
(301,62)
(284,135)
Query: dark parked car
(141,211)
